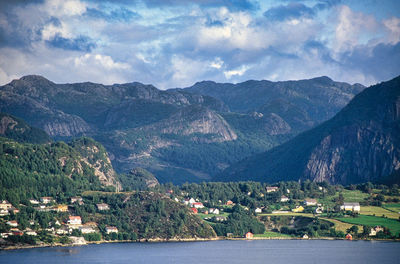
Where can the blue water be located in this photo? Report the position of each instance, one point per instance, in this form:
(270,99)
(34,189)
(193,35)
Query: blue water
(256,251)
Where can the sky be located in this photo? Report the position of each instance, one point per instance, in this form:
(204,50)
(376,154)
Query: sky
(176,43)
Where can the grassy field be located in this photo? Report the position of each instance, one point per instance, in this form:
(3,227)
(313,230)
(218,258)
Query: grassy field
(341,226)
(348,195)
(393,225)
(270,234)
(379,211)
(288,214)
(394,207)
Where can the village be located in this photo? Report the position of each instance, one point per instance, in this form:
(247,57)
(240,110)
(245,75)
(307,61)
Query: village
(63,222)
(45,220)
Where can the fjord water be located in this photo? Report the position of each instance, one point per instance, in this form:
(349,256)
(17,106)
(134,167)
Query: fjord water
(256,251)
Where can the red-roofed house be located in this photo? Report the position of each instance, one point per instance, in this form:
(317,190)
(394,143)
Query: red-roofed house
(194,210)
(249,235)
(198,205)
(75,220)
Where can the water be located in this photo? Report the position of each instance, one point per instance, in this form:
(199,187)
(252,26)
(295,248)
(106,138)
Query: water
(256,251)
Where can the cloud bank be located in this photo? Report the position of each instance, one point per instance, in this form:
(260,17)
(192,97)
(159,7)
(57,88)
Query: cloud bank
(175,43)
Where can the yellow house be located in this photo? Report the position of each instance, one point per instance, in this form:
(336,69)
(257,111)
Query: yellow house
(62,208)
(298,209)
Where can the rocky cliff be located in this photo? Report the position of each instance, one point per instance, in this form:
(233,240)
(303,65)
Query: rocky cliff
(361,143)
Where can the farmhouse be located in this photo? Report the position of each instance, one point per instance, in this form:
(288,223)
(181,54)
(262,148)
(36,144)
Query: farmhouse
(46,199)
(75,220)
(102,206)
(77,199)
(111,229)
(375,230)
(61,208)
(87,229)
(271,189)
(5,205)
(194,210)
(12,223)
(355,207)
(198,205)
(213,211)
(310,202)
(284,199)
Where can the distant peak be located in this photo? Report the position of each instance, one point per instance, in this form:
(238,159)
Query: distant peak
(34,78)
(323,79)
(204,82)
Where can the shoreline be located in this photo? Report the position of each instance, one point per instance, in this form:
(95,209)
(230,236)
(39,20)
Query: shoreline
(164,240)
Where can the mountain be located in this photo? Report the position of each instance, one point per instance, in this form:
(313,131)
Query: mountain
(361,143)
(177,135)
(18,130)
(300,104)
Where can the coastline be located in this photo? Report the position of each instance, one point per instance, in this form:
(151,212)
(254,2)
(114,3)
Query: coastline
(164,240)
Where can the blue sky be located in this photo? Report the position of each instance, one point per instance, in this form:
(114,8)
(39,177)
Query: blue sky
(175,43)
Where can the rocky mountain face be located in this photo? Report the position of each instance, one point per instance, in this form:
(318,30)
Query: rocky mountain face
(178,135)
(361,143)
(300,104)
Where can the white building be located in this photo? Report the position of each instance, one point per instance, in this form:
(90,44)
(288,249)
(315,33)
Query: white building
(355,207)
(111,229)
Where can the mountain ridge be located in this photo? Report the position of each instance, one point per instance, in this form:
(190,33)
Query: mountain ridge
(175,134)
(359,144)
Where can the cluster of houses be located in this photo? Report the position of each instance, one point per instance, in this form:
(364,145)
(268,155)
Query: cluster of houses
(48,204)
(7,208)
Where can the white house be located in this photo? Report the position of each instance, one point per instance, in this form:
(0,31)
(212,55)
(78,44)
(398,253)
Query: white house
(197,205)
(12,223)
(355,207)
(284,199)
(102,207)
(87,229)
(258,210)
(75,220)
(310,202)
(111,229)
(271,189)
(46,200)
(213,211)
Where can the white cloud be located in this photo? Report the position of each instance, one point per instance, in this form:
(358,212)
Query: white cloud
(98,60)
(64,7)
(239,72)
(352,29)
(393,25)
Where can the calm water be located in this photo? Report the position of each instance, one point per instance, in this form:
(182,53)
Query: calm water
(258,251)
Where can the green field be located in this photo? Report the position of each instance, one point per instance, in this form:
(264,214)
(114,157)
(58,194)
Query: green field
(379,211)
(393,225)
(270,234)
(394,207)
(348,195)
